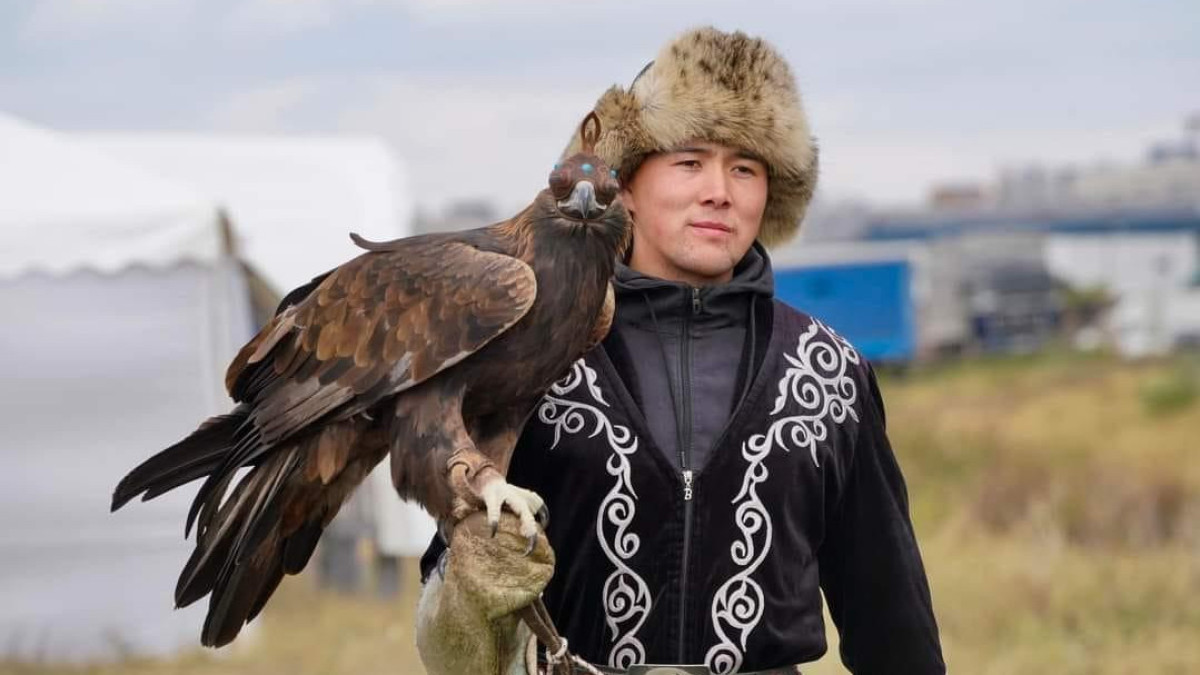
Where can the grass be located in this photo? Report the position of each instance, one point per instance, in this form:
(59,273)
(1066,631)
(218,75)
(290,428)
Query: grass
(1026,603)
(304,631)
(1066,439)
(1057,501)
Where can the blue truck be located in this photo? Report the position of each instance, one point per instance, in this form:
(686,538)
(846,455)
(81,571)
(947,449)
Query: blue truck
(868,303)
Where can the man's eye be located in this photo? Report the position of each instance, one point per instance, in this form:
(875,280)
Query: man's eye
(689,163)
(745,170)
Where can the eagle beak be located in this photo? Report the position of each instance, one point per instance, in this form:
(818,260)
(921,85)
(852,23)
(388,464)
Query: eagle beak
(582,202)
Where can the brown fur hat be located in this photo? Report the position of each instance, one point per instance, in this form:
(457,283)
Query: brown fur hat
(725,88)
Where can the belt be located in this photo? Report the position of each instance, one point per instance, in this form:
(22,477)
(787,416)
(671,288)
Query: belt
(580,667)
(651,669)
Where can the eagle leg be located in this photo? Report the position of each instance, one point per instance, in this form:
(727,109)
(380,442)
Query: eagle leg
(477,484)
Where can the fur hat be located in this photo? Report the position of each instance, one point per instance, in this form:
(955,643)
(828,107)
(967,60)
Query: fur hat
(725,88)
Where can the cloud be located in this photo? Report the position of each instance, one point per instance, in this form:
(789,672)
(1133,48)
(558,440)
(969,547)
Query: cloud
(479,96)
(447,7)
(277,18)
(900,167)
(282,18)
(266,109)
(469,138)
(491,139)
(65,20)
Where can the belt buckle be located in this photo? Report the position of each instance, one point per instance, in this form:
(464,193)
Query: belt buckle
(662,669)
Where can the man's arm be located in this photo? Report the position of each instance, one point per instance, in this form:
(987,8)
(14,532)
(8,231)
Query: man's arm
(870,565)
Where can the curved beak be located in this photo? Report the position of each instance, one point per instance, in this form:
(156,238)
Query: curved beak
(582,202)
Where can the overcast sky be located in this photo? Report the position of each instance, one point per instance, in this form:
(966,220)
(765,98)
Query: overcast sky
(479,96)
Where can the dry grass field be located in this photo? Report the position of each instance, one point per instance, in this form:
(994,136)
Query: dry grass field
(1057,499)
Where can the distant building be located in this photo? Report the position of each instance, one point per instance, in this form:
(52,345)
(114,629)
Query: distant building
(1013,307)
(827,220)
(1171,179)
(1029,188)
(1148,260)
(1150,274)
(958,197)
(1168,177)
(998,259)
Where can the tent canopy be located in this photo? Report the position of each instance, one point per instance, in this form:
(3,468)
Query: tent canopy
(293,200)
(68,207)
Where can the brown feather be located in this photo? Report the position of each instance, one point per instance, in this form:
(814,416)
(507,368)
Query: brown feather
(352,330)
(328,461)
(286,355)
(312,463)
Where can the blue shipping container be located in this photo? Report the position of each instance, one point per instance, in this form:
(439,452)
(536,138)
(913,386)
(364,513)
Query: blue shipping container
(870,304)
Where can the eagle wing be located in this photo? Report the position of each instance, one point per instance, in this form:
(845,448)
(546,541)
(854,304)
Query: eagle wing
(380,324)
(372,328)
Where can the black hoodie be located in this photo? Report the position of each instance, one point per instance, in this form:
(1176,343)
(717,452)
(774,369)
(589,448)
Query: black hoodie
(696,336)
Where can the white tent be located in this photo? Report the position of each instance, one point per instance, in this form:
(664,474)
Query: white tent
(293,201)
(123,301)
(66,207)
(120,307)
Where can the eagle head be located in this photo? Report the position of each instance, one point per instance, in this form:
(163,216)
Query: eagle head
(583,186)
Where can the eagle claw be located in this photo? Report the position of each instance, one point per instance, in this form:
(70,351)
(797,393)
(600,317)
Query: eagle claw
(525,504)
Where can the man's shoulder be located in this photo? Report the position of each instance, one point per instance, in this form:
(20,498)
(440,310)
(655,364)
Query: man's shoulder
(808,332)
(794,320)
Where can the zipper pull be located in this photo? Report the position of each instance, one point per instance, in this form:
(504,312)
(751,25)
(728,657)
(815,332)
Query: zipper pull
(695,300)
(687,485)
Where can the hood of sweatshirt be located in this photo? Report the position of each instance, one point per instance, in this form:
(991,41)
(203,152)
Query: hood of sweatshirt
(683,351)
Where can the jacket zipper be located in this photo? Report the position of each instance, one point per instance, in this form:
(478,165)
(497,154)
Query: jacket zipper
(685,454)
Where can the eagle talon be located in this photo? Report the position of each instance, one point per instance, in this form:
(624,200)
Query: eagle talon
(499,495)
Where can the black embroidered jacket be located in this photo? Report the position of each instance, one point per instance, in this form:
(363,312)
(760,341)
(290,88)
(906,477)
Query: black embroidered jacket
(723,566)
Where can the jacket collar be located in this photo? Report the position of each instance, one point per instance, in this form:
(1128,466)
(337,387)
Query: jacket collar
(642,298)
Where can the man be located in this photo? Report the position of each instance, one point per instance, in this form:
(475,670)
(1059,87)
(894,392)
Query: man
(721,456)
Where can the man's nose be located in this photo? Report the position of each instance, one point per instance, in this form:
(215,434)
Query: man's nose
(716,187)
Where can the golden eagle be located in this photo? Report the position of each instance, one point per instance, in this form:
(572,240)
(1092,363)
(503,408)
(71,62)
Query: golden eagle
(434,349)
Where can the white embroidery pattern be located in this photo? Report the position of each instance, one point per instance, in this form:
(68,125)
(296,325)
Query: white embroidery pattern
(819,384)
(626,596)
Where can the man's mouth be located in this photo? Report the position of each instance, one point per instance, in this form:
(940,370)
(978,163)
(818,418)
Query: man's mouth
(711,225)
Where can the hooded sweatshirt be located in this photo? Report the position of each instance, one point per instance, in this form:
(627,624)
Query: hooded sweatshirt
(691,334)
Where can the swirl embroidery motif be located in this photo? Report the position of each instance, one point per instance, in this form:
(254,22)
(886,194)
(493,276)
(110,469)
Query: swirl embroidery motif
(820,387)
(626,596)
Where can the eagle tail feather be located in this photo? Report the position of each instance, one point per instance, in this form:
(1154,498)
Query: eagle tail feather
(239,595)
(200,454)
(240,557)
(251,543)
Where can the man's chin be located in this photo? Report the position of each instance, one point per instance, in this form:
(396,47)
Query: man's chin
(713,269)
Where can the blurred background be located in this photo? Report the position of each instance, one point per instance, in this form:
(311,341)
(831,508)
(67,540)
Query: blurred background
(1007,223)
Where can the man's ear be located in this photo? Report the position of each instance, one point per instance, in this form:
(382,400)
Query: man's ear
(627,201)
(626,252)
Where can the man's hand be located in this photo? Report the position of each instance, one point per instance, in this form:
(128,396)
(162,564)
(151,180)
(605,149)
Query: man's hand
(467,620)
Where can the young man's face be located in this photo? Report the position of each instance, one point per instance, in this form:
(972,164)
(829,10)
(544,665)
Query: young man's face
(696,211)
